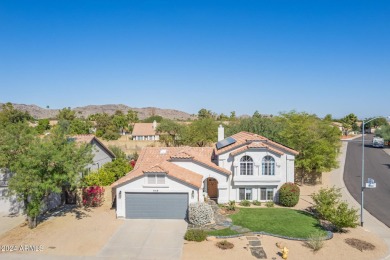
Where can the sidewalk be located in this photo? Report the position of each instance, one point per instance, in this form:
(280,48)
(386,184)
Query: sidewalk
(8,222)
(371,224)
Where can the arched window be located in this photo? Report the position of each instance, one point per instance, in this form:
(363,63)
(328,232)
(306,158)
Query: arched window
(268,165)
(246,165)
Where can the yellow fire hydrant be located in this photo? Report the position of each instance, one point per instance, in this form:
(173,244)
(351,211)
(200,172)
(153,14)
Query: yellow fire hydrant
(284,253)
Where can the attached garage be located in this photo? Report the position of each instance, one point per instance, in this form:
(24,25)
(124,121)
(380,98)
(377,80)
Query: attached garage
(156,205)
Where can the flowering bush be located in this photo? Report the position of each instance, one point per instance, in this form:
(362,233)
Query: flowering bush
(289,194)
(93,196)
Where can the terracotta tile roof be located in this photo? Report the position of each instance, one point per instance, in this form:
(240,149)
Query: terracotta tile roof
(143,129)
(88,139)
(202,155)
(255,145)
(159,159)
(187,176)
(246,138)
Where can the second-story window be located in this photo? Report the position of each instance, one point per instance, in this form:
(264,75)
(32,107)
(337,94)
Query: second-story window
(246,165)
(268,165)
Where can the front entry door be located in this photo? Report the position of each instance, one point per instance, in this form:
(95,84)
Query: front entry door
(212,188)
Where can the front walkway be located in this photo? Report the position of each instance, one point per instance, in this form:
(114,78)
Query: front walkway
(8,222)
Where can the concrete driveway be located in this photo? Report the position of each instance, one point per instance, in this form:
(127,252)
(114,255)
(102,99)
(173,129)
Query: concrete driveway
(147,239)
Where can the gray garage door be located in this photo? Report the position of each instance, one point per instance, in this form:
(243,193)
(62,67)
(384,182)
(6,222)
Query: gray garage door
(156,205)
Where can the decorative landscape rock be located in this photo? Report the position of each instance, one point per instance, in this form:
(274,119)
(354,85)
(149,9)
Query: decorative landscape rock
(200,214)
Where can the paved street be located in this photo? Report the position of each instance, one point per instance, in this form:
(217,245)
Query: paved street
(377,166)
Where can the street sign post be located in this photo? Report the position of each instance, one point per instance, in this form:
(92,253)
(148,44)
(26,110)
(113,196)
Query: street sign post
(371,184)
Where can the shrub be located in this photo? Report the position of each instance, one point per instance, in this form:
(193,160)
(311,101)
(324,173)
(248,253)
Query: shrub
(224,244)
(256,203)
(289,194)
(328,206)
(93,196)
(231,205)
(316,241)
(197,235)
(245,203)
(270,204)
(100,178)
(200,213)
(359,244)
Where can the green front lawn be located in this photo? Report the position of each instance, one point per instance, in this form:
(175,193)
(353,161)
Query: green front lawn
(278,221)
(222,232)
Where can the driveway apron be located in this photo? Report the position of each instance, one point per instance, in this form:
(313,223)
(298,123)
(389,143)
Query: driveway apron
(147,239)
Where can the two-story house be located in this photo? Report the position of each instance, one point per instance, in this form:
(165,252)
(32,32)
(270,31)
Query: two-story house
(165,180)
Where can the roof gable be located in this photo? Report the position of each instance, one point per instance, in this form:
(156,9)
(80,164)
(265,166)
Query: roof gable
(158,159)
(89,139)
(246,141)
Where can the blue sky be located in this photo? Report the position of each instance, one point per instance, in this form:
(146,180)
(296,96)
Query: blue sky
(272,56)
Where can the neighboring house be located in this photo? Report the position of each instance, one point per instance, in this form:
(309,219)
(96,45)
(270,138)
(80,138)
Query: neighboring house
(145,132)
(164,181)
(101,154)
(8,204)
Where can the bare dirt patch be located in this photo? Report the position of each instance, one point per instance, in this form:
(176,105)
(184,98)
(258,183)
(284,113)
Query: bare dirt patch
(334,248)
(75,231)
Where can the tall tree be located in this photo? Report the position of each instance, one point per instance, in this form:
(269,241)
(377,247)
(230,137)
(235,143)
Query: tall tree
(201,132)
(132,118)
(384,132)
(153,118)
(347,122)
(316,141)
(204,113)
(9,114)
(267,127)
(45,167)
(170,132)
(66,114)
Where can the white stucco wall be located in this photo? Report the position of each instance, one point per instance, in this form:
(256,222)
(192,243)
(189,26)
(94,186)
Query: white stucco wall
(8,204)
(223,179)
(140,185)
(284,172)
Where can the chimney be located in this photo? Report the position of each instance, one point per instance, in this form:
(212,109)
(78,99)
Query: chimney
(154,125)
(221,133)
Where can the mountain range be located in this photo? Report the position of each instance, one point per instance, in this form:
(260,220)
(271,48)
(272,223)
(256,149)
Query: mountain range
(40,113)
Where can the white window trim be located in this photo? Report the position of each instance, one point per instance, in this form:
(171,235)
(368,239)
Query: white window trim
(155,185)
(269,164)
(246,192)
(266,194)
(247,165)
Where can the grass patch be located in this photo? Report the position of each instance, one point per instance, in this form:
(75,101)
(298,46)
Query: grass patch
(222,232)
(284,222)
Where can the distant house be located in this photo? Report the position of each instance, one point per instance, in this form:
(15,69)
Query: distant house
(145,132)
(101,154)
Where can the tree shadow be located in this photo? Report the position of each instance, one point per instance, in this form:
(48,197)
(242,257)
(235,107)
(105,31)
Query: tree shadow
(387,164)
(78,212)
